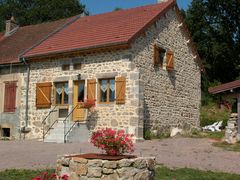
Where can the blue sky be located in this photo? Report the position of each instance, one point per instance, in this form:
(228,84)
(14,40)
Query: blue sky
(101,6)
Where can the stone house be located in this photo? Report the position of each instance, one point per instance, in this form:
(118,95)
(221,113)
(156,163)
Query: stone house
(139,65)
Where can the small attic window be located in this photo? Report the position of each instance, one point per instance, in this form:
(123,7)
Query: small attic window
(66,67)
(159,54)
(77,66)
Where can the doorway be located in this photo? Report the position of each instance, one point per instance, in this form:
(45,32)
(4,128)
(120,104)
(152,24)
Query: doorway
(78,98)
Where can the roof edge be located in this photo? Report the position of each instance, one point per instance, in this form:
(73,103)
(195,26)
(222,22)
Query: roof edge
(21,55)
(92,49)
(224,87)
(153,20)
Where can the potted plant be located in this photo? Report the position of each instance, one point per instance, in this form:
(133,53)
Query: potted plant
(112,142)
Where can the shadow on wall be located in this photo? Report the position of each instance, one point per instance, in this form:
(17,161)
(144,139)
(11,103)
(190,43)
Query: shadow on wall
(92,120)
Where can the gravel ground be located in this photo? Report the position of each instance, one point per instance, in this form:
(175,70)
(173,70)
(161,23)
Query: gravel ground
(172,152)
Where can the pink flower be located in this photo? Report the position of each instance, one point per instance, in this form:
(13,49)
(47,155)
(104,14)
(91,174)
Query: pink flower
(112,141)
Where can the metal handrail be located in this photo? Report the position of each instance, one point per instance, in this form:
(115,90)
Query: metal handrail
(44,120)
(65,135)
(44,134)
(64,121)
(53,110)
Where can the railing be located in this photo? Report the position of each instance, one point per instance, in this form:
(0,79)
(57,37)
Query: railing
(65,120)
(69,130)
(44,122)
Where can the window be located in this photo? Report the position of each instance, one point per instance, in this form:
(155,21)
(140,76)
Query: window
(10,97)
(106,90)
(77,66)
(80,96)
(159,54)
(61,93)
(65,67)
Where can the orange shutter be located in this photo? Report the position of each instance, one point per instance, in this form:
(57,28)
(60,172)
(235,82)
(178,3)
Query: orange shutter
(155,55)
(170,61)
(91,89)
(43,95)
(120,90)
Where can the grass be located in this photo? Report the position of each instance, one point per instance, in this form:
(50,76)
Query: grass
(164,173)
(14,174)
(227,146)
(200,134)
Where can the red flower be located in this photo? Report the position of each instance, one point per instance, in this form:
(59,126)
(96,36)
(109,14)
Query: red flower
(112,141)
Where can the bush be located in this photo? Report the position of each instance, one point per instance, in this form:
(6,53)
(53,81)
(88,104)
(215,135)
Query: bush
(212,113)
(113,142)
(147,135)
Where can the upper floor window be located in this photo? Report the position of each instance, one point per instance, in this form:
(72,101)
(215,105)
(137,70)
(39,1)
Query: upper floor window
(159,54)
(66,67)
(106,90)
(61,93)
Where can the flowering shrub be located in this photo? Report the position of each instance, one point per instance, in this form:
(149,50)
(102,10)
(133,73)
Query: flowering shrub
(46,176)
(113,142)
(88,104)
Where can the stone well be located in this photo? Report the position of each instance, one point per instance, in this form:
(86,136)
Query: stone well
(78,168)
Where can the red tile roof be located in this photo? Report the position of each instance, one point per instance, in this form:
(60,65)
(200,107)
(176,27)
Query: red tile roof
(224,87)
(25,37)
(118,27)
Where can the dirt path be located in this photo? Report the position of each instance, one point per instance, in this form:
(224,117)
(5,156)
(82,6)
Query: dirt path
(176,152)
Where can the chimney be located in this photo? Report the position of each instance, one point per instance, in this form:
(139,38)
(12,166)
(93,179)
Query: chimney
(161,1)
(10,26)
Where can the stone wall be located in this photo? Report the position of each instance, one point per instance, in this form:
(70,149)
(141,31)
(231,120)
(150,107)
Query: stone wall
(79,168)
(11,119)
(231,129)
(94,66)
(171,98)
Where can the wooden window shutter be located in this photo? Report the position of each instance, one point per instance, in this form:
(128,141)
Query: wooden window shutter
(120,90)
(155,55)
(91,89)
(43,95)
(170,61)
(10,97)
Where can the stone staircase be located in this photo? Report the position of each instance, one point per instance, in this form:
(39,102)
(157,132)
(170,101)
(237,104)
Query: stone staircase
(79,133)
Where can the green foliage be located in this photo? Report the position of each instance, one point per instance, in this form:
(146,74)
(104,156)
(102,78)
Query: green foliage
(147,135)
(165,173)
(117,9)
(38,11)
(21,174)
(212,113)
(215,27)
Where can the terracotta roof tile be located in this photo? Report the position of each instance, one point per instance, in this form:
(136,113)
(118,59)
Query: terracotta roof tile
(25,37)
(116,27)
(224,87)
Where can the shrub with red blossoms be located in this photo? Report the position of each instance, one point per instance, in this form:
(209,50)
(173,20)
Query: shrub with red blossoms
(113,142)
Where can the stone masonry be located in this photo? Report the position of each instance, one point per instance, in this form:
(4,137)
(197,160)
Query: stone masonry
(104,65)
(156,99)
(171,98)
(79,169)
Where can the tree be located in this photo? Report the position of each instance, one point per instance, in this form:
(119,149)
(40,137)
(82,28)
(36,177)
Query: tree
(29,12)
(117,9)
(215,27)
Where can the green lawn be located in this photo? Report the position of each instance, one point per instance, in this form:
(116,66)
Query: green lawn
(228,147)
(212,135)
(14,174)
(164,173)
